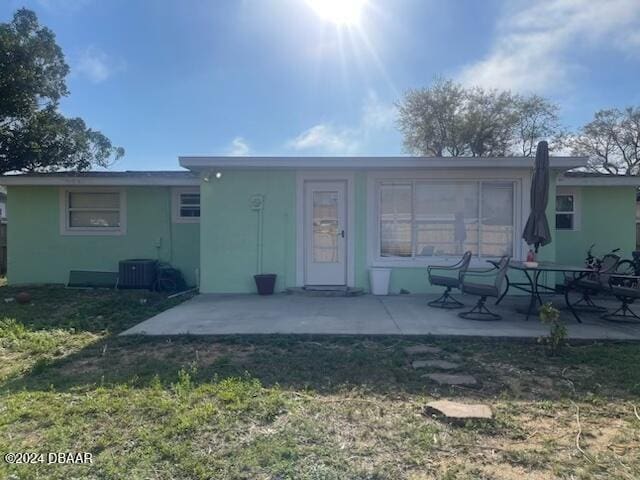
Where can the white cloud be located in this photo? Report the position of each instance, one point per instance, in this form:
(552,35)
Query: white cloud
(376,120)
(326,138)
(377,115)
(537,41)
(239,147)
(65,5)
(96,65)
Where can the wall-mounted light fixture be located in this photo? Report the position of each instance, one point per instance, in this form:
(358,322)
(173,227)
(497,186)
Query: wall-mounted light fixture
(207,176)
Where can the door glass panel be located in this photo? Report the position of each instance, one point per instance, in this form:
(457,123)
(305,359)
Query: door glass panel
(325,227)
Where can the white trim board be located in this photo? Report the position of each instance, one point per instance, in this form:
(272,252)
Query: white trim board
(133,181)
(599,181)
(175,204)
(522,183)
(577,209)
(207,163)
(65,230)
(328,176)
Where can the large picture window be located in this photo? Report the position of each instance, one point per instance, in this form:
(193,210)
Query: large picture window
(93,211)
(446,218)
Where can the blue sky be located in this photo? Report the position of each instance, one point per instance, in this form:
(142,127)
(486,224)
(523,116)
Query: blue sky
(266,77)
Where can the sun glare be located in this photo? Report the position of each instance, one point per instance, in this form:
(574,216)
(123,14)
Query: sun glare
(340,12)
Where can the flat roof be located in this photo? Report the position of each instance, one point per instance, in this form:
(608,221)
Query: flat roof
(597,179)
(128,177)
(199,164)
(204,163)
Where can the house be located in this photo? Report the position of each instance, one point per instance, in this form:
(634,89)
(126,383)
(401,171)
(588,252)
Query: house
(311,220)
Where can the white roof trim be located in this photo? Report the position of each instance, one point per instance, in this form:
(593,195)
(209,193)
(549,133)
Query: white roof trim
(204,163)
(610,181)
(132,181)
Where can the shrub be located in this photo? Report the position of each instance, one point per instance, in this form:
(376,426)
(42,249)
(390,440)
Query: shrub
(557,338)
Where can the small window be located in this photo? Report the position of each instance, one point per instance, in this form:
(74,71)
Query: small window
(186,205)
(88,212)
(190,205)
(565,211)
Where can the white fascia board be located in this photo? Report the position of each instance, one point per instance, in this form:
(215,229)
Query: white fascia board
(206,163)
(43,180)
(612,181)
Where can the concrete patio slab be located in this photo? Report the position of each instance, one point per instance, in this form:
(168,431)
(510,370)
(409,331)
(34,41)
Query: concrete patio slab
(215,314)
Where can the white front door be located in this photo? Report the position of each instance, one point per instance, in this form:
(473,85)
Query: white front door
(325,233)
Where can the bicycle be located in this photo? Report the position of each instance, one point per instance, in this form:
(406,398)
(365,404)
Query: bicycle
(630,267)
(595,263)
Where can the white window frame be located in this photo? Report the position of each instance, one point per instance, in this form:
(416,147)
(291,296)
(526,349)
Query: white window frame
(66,229)
(575,193)
(175,204)
(521,181)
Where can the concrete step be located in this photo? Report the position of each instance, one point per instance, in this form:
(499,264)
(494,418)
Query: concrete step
(325,291)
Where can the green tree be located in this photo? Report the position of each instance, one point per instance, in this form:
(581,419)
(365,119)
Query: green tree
(34,136)
(432,120)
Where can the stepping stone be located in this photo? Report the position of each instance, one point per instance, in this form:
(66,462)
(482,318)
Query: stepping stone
(419,349)
(441,364)
(451,379)
(459,411)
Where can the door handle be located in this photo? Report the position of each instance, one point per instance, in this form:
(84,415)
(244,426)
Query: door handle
(342,233)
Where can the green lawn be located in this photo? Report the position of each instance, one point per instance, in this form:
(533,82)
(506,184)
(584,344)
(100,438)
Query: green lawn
(287,407)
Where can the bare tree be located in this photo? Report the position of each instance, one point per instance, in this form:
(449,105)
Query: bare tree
(611,140)
(536,119)
(447,119)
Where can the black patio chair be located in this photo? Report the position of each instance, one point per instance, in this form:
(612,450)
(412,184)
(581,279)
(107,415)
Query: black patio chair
(484,290)
(448,281)
(593,284)
(626,289)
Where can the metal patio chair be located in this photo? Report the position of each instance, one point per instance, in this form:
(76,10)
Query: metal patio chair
(626,289)
(594,283)
(484,290)
(448,281)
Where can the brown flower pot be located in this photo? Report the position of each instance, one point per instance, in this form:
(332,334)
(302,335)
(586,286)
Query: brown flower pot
(265,283)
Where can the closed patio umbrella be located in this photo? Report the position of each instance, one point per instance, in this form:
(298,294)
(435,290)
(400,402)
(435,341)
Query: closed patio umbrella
(536,231)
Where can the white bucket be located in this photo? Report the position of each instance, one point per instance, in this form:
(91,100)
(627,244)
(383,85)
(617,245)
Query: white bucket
(379,280)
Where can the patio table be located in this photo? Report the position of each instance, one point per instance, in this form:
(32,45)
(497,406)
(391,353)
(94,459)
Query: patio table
(533,286)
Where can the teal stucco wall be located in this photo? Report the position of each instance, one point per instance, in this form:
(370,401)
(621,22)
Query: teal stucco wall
(229,236)
(607,218)
(229,230)
(38,253)
(224,246)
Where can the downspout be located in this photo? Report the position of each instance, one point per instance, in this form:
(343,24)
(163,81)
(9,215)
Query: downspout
(256,203)
(260,239)
(285,245)
(170,217)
